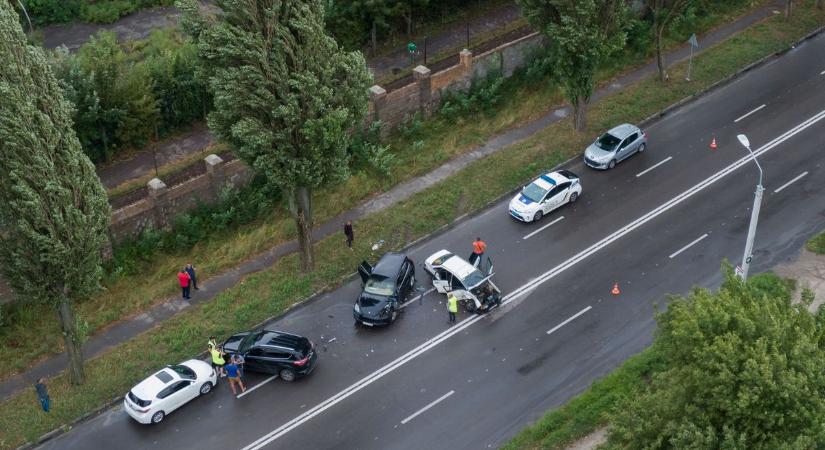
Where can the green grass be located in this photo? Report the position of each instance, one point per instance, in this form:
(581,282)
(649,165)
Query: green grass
(589,410)
(817,244)
(272,291)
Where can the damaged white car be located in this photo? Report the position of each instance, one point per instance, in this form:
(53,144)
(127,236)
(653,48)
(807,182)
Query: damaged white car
(473,289)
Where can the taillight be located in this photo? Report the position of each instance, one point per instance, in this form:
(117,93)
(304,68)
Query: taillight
(301,362)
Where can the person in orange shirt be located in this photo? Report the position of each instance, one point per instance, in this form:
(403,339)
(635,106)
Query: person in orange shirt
(479,247)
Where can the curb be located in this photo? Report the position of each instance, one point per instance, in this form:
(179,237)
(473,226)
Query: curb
(446,227)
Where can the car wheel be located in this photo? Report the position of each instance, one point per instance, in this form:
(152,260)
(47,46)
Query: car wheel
(641,148)
(158,417)
(206,388)
(612,164)
(573,197)
(538,216)
(287,375)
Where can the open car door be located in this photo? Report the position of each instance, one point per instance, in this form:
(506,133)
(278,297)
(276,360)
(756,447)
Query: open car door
(365,270)
(489,267)
(442,286)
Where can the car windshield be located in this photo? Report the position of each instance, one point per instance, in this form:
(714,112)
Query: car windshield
(184,372)
(248,340)
(379,286)
(608,142)
(473,278)
(533,192)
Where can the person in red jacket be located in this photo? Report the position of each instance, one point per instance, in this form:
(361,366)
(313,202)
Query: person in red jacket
(184,279)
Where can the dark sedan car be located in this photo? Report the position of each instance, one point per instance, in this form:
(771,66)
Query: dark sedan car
(287,355)
(386,286)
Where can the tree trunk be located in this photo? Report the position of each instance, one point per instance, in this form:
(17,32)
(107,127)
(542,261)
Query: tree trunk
(820,4)
(409,18)
(374,33)
(71,340)
(300,204)
(580,113)
(788,7)
(660,57)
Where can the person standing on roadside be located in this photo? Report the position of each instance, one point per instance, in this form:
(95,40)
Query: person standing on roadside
(190,270)
(42,394)
(239,361)
(183,279)
(479,247)
(213,343)
(452,307)
(349,234)
(233,377)
(217,361)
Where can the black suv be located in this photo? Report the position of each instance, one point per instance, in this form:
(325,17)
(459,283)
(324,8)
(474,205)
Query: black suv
(287,355)
(385,287)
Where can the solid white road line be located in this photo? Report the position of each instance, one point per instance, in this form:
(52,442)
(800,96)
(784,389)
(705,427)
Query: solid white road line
(420,296)
(433,403)
(746,115)
(257,386)
(798,177)
(542,228)
(526,288)
(688,246)
(569,320)
(654,166)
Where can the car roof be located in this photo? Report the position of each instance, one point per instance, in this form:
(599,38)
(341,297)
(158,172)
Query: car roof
(458,266)
(388,265)
(272,338)
(151,386)
(624,130)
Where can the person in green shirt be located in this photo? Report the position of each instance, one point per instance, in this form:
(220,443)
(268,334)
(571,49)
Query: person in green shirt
(452,306)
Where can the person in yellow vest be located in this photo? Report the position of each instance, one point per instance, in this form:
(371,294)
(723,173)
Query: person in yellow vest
(452,306)
(217,360)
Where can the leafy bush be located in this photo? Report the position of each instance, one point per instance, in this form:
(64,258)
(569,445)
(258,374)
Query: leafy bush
(44,12)
(125,96)
(482,97)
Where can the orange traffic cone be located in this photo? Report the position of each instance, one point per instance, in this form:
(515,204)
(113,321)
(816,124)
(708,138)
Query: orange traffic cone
(615,290)
(713,143)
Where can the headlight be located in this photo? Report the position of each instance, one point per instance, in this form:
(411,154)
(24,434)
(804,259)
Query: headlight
(357,308)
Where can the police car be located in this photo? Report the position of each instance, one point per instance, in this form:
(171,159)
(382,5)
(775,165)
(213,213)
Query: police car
(545,194)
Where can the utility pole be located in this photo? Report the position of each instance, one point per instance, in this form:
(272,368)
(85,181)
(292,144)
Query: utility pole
(757,203)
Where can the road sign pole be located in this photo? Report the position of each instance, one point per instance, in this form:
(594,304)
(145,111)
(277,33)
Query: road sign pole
(690,63)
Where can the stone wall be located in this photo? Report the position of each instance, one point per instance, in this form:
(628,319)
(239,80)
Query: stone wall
(424,95)
(164,203)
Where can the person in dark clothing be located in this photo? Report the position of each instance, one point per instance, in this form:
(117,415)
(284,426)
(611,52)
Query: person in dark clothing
(348,233)
(42,394)
(190,269)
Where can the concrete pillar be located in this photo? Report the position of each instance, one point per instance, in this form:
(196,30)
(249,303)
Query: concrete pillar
(466,60)
(421,75)
(214,171)
(158,197)
(378,98)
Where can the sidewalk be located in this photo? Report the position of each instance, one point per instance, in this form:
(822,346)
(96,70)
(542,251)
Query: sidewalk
(140,24)
(125,330)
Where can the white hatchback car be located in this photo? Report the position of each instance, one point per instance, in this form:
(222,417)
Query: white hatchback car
(545,194)
(169,389)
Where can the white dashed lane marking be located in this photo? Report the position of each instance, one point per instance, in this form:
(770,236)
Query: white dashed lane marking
(654,166)
(433,403)
(688,246)
(798,177)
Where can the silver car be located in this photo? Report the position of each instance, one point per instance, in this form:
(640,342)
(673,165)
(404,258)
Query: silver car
(614,146)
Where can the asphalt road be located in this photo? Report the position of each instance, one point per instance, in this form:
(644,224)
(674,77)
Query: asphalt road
(424,384)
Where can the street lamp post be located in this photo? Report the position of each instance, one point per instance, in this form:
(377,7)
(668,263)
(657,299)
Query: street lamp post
(757,203)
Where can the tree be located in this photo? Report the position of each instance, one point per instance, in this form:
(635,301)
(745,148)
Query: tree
(285,96)
(663,12)
(53,211)
(581,35)
(788,8)
(744,369)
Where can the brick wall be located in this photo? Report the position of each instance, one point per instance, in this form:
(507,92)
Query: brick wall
(424,94)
